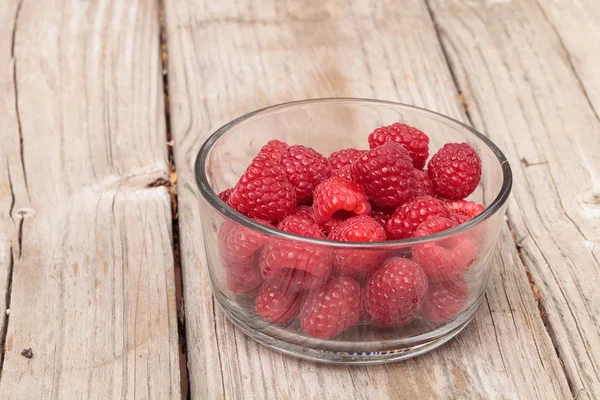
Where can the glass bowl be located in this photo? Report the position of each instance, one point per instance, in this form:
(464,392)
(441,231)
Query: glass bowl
(328,125)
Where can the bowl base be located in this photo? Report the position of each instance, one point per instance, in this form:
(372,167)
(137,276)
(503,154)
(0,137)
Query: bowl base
(343,357)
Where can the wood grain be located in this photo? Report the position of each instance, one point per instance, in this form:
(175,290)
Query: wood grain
(93,292)
(9,156)
(226,59)
(523,91)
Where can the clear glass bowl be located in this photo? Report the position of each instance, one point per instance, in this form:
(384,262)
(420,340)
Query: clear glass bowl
(328,125)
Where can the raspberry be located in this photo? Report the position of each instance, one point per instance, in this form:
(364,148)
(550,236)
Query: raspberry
(263,191)
(394,294)
(336,195)
(237,244)
(412,139)
(463,210)
(385,173)
(423,186)
(301,225)
(273,148)
(410,215)
(225,194)
(455,170)
(343,172)
(382,215)
(277,306)
(304,211)
(304,168)
(362,228)
(244,281)
(445,300)
(445,258)
(344,158)
(332,309)
(293,266)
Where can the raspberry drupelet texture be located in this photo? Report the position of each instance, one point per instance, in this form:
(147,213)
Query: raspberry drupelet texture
(225,194)
(412,139)
(423,185)
(455,171)
(410,215)
(445,258)
(335,195)
(332,309)
(445,299)
(273,148)
(344,158)
(292,265)
(238,250)
(304,168)
(277,306)
(394,294)
(462,210)
(385,173)
(263,191)
(357,262)
(343,172)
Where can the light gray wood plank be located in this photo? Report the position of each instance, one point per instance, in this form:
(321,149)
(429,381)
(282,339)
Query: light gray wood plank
(577,24)
(93,291)
(11,181)
(522,90)
(228,59)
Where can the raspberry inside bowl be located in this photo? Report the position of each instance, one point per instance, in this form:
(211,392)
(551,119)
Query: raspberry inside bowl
(333,283)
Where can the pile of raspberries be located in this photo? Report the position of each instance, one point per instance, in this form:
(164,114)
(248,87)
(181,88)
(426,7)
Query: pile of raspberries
(374,195)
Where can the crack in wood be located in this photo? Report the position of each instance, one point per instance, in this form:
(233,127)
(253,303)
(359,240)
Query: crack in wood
(4,332)
(171,185)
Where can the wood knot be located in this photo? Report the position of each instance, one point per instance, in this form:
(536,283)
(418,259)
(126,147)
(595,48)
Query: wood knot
(25,212)
(27,353)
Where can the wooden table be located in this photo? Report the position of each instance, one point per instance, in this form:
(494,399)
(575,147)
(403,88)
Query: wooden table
(99,214)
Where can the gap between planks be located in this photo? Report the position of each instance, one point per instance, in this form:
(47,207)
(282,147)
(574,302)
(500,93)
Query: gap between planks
(171,184)
(537,294)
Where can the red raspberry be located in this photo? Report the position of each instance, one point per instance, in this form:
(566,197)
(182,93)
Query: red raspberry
(277,306)
(455,170)
(410,215)
(412,139)
(225,194)
(445,300)
(293,266)
(463,210)
(307,212)
(237,244)
(335,195)
(445,258)
(332,309)
(385,173)
(362,228)
(394,294)
(305,169)
(343,158)
(263,191)
(301,225)
(343,172)
(382,215)
(304,211)
(423,186)
(273,148)
(244,281)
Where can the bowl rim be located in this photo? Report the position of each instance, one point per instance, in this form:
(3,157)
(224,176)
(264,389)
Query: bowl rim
(229,213)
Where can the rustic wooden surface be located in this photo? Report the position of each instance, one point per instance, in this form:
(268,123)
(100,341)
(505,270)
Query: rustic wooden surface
(86,248)
(524,92)
(257,53)
(88,243)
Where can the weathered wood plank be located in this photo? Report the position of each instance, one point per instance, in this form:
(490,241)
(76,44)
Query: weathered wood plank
(522,90)
(227,59)
(93,292)
(577,24)
(9,155)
